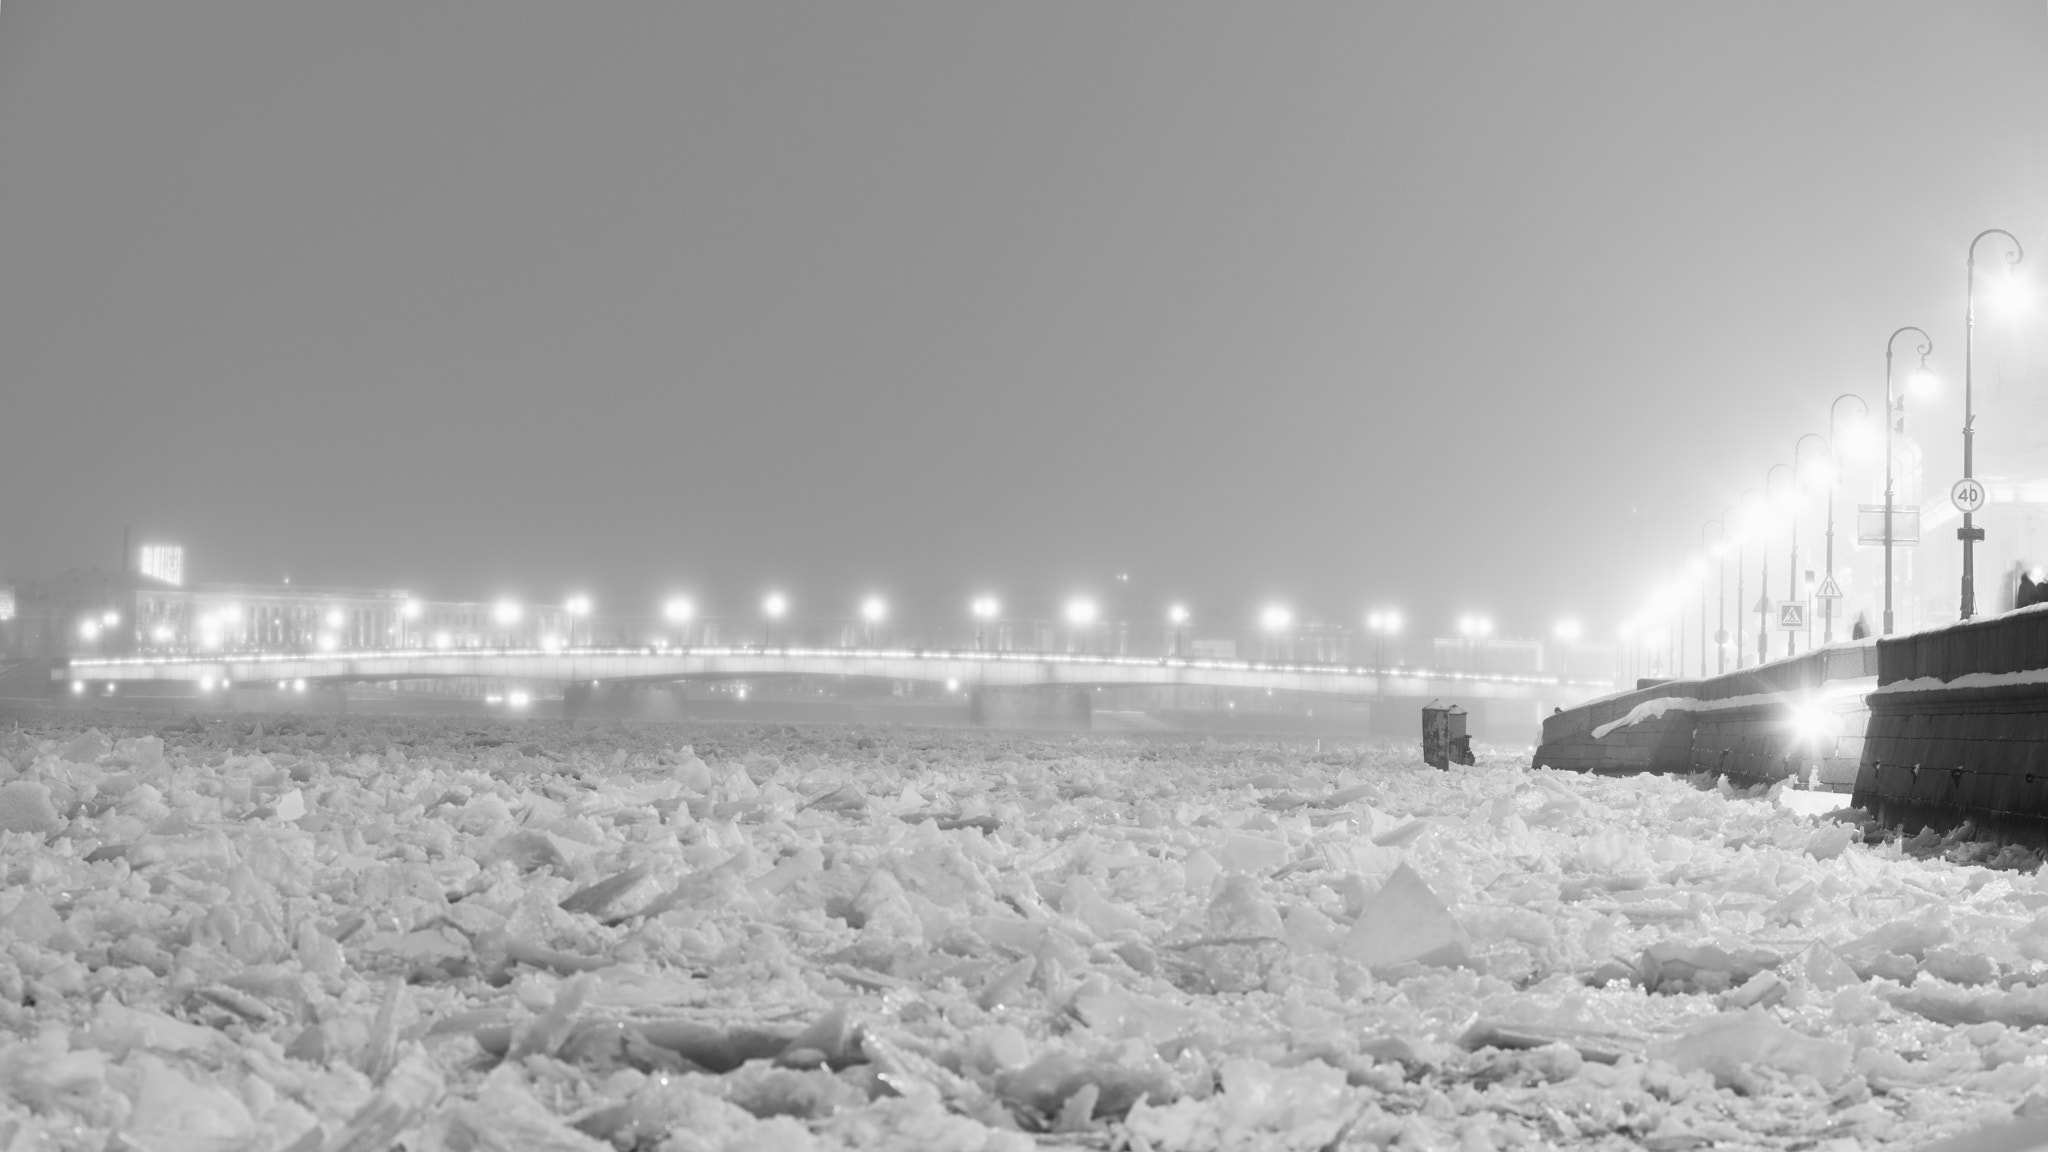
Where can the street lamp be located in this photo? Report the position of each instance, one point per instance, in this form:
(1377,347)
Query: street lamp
(1475,629)
(1834,482)
(1763,583)
(1383,625)
(1692,571)
(1894,416)
(578,607)
(1745,522)
(1969,533)
(772,609)
(1178,617)
(1080,613)
(1792,572)
(1275,619)
(985,609)
(872,610)
(1719,552)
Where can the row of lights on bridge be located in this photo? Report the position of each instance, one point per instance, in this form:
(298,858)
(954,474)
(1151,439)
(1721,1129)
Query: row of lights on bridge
(1080,612)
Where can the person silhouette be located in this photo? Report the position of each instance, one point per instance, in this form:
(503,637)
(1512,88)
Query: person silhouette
(1861,628)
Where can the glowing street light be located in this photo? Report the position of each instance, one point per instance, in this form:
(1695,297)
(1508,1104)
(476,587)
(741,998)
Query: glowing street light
(1177,615)
(1969,533)
(873,610)
(1383,624)
(1854,432)
(1792,571)
(1081,613)
(679,611)
(578,608)
(1276,619)
(89,629)
(506,613)
(1474,629)
(772,609)
(1894,416)
(1568,631)
(985,609)
(1763,583)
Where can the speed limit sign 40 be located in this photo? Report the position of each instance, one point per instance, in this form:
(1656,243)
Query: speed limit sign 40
(1967,494)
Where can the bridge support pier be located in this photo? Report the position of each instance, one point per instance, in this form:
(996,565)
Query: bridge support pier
(1052,706)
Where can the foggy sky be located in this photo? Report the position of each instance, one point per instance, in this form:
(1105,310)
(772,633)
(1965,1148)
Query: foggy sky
(1451,307)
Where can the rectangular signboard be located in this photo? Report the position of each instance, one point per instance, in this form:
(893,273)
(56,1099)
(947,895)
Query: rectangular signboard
(1905,525)
(6,603)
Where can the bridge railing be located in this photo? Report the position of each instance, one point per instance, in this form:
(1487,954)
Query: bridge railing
(385,661)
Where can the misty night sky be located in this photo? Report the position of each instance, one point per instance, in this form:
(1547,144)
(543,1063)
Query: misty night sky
(1444,306)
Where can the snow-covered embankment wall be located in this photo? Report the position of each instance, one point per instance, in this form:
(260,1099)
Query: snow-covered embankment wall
(1800,716)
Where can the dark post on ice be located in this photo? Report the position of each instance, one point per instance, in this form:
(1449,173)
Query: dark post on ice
(1443,735)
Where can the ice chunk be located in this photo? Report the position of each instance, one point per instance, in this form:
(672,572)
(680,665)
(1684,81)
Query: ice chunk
(1406,922)
(31,920)
(1047,1082)
(25,807)
(176,1114)
(1239,909)
(1083,902)
(1669,966)
(1825,971)
(1261,1107)
(1727,1045)
(1244,852)
(1831,841)
(506,1115)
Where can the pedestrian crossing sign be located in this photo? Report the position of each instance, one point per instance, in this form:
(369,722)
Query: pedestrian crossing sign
(1792,615)
(1829,590)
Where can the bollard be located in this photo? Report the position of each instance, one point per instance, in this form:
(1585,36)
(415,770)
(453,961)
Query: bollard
(1444,741)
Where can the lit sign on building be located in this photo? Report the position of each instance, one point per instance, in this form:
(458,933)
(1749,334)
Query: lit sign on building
(165,562)
(6,603)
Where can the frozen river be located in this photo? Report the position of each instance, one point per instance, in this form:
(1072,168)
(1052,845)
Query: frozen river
(333,934)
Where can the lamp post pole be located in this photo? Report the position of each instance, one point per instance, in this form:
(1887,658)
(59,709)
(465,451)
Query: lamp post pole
(1694,569)
(1763,619)
(1792,576)
(1969,533)
(1834,482)
(1894,415)
(1741,547)
(1720,595)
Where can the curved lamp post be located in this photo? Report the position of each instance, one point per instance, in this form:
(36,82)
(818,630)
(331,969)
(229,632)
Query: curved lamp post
(1720,555)
(1969,533)
(1792,573)
(1763,606)
(1834,482)
(1693,569)
(1741,546)
(1894,415)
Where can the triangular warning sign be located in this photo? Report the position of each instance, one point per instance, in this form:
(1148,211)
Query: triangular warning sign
(1829,590)
(1763,604)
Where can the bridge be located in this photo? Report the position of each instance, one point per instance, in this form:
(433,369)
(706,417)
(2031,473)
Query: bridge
(973,671)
